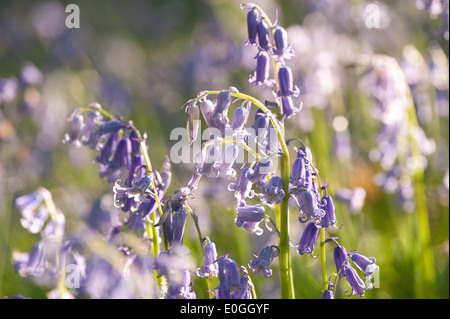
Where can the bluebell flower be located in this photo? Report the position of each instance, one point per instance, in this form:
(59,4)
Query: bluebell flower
(263,32)
(193,122)
(283,50)
(273,192)
(28,203)
(35,213)
(243,292)
(288,106)
(77,124)
(136,191)
(309,206)
(261,170)
(109,127)
(32,264)
(196,176)
(243,188)
(108,148)
(209,156)
(180,288)
(365,264)
(263,261)
(261,75)
(285,81)
(223,103)
(328,294)
(175,222)
(356,284)
(308,239)
(328,206)
(55,226)
(121,159)
(229,157)
(228,272)
(89,133)
(207,109)
(340,260)
(34,221)
(209,268)
(298,171)
(135,143)
(136,170)
(240,117)
(252,22)
(249,218)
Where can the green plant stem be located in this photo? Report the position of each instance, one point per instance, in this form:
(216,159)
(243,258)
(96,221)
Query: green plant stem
(323,263)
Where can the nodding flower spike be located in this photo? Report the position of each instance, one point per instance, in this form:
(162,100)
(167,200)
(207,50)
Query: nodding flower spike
(285,81)
(252,22)
(261,75)
(263,31)
(308,239)
(249,218)
(263,261)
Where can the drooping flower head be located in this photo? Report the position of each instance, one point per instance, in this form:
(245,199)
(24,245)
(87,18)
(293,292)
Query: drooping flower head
(308,239)
(340,260)
(365,264)
(209,268)
(263,261)
(249,217)
(355,282)
(273,191)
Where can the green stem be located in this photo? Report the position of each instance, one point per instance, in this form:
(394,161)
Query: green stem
(323,259)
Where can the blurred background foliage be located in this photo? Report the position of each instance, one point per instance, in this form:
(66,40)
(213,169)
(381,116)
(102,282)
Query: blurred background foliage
(144,59)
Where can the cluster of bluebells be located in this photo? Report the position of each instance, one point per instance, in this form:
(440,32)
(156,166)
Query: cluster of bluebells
(272,43)
(120,156)
(140,191)
(344,270)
